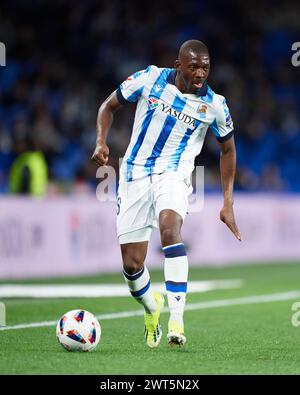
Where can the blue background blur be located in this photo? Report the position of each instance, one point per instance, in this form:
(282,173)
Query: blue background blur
(65,57)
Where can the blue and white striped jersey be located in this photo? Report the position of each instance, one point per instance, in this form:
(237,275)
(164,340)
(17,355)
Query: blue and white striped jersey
(169,126)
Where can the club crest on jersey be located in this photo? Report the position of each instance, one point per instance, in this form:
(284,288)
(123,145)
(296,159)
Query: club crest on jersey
(152,103)
(202,110)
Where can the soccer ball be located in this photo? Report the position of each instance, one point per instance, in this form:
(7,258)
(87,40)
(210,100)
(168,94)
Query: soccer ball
(78,330)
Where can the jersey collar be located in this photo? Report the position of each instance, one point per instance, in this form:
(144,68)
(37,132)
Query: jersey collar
(200,92)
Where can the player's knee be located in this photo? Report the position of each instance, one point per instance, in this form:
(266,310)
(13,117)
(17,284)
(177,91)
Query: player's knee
(132,260)
(169,236)
(131,267)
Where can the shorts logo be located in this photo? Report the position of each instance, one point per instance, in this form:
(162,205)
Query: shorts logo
(152,103)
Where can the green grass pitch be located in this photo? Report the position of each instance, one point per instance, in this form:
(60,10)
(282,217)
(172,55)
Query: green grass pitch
(255,338)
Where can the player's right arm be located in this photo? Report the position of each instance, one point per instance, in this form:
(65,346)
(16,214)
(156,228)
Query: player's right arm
(128,92)
(104,121)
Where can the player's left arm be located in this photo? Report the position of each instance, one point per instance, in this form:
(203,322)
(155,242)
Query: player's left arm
(227,168)
(222,127)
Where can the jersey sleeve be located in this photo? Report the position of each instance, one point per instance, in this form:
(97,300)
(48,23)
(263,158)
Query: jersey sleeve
(132,88)
(222,126)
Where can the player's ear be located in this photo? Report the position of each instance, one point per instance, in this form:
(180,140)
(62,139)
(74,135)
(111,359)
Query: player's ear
(177,64)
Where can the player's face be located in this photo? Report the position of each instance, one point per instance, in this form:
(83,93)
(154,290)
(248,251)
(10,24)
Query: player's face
(192,70)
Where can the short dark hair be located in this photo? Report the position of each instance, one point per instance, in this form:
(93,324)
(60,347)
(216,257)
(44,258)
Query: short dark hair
(193,45)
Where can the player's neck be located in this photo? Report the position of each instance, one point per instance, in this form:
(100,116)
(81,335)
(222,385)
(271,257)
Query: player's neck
(180,84)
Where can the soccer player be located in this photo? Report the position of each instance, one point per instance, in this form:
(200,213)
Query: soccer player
(175,108)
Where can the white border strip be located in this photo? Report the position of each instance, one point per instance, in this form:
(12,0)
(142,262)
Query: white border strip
(278,297)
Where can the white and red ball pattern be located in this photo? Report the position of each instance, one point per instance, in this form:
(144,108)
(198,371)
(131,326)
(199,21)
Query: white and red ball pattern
(78,330)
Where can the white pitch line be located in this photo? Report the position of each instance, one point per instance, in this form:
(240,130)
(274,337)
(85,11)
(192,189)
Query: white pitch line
(210,304)
(102,290)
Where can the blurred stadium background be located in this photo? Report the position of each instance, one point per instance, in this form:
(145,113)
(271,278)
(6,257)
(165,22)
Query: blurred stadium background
(63,58)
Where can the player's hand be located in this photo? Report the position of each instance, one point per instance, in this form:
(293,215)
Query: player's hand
(227,216)
(101,153)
